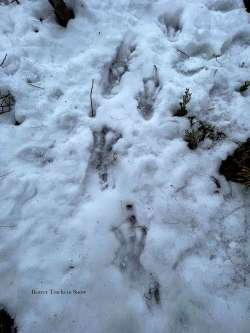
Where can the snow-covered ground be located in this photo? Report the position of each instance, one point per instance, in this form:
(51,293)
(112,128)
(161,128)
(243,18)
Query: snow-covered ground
(117,206)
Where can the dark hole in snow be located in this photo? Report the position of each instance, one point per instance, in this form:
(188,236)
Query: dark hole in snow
(247,5)
(132,219)
(18,120)
(7,323)
(62,12)
(153,293)
(236,167)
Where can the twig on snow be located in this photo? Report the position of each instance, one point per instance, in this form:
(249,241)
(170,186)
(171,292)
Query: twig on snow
(33,85)
(184,53)
(93,113)
(3,61)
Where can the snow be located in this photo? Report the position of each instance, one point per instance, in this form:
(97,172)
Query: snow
(66,178)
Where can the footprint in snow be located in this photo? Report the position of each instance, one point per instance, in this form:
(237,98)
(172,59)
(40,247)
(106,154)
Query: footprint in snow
(171,25)
(118,66)
(132,238)
(147,96)
(223,6)
(103,155)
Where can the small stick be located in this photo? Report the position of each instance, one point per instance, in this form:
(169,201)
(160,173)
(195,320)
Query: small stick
(92,114)
(33,85)
(156,77)
(3,61)
(184,53)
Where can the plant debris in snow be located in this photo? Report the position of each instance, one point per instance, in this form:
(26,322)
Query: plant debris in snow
(7,102)
(200,131)
(236,167)
(186,98)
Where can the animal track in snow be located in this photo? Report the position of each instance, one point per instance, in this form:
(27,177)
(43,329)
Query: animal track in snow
(171,25)
(147,97)
(193,250)
(39,156)
(232,45)
(23,193)
(11,64)
(132,238)
(118,66)
(103,155)
(222,5)
(193,59)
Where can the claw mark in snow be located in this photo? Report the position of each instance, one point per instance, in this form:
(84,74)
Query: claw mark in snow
(132,239)
(171,25)
(147,97)
(103,155)
(118,66)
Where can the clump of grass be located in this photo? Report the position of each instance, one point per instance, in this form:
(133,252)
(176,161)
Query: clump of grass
(244,175)
(186,98)
(199,131)
(244,87)
(236,167)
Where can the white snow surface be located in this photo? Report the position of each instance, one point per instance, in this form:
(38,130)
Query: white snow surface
(63,201)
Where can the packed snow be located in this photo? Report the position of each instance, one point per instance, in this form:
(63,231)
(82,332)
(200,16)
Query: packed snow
(109,222)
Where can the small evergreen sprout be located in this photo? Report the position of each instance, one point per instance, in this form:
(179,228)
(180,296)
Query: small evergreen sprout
(244,86)
(244,176)
(182,111)
(211,132)
(200,131)
(192,138)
